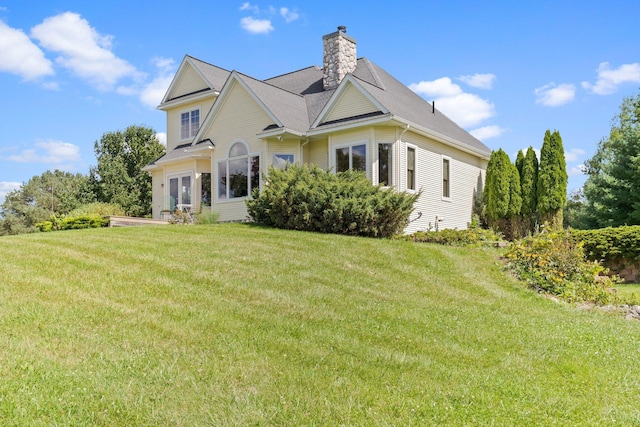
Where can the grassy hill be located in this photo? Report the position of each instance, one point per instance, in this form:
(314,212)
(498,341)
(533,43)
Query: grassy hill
(241,325)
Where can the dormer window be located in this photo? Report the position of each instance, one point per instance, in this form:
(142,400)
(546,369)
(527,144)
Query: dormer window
(189,124)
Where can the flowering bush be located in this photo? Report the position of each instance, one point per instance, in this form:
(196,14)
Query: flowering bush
(554,263)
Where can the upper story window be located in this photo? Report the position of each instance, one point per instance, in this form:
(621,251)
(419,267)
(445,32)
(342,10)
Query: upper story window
(351,157)
(384,164)
(446,177)
(189,124)
(239,174)
(411,168)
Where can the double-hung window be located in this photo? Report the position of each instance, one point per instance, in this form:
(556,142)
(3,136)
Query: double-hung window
(446,178)
(239,174)
(189,124)
(351,157)
(411,168)
(385,158)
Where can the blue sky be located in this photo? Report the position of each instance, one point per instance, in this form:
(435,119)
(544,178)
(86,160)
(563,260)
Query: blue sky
(506,71)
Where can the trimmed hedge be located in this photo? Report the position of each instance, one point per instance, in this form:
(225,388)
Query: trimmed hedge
(610,244)
(73,223)
(312,199)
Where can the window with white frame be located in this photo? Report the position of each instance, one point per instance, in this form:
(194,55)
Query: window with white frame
(189,123)
(411,168)
(351,157)
(280,161)
(385,157)
(446,177)
(239,174)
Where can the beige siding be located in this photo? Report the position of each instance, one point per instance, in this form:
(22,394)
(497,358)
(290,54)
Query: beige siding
(188,82)
(283,147)
(173,119)
(238,118)
(315,153)
(157,179)
(466,175)
(351,103)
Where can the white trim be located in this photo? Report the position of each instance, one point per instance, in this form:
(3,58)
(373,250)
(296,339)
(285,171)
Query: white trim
(289,153)
(179,175)
(443,197)
(415,168)
(214,164)
(376,163)
(189,110)
(176,78)
(337,95)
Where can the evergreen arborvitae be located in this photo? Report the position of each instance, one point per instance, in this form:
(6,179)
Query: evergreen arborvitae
(496,190)
(552,180)
(529,183)
(519,163)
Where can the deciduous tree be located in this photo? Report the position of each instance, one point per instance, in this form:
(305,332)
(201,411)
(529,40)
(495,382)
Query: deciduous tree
(118,177)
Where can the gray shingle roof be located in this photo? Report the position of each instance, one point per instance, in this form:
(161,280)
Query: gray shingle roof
(296,99)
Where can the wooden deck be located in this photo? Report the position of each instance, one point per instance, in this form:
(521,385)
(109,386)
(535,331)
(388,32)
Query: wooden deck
(128,221)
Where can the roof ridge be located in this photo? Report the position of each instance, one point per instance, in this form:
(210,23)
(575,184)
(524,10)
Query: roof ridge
(267,83)
(293,72)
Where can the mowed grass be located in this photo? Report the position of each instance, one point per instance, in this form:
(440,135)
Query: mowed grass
(241,325)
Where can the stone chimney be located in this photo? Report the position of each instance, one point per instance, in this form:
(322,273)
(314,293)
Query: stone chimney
(339,57)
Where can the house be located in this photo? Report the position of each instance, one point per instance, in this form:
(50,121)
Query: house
(225,129)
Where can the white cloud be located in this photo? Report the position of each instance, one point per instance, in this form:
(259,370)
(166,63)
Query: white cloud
(465,109)
(288,14)
(162,137)
(49,152)
(480,81)
(574,154)
(553,95)
(20,56)
(83,50)
(576,170)
(610,79)
(249,6)
(442,87)
(256,26)
(7,187)
(487,132)
(152,93)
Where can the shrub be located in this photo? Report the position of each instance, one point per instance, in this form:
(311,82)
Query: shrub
(554,263)
(473,236)
(309,198)
(610,244)
(56,223)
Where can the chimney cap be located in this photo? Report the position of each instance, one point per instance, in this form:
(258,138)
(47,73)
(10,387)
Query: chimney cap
(342,28)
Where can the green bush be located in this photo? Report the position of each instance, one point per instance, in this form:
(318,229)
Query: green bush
(554,263)
(309,198)
(610,244)
(473,236)
(56,223)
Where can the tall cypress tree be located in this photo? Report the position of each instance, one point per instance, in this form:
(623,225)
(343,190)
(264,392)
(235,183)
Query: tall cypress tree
(496,189)
(552,180)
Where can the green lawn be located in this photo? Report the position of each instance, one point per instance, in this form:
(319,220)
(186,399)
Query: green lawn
(240,325)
